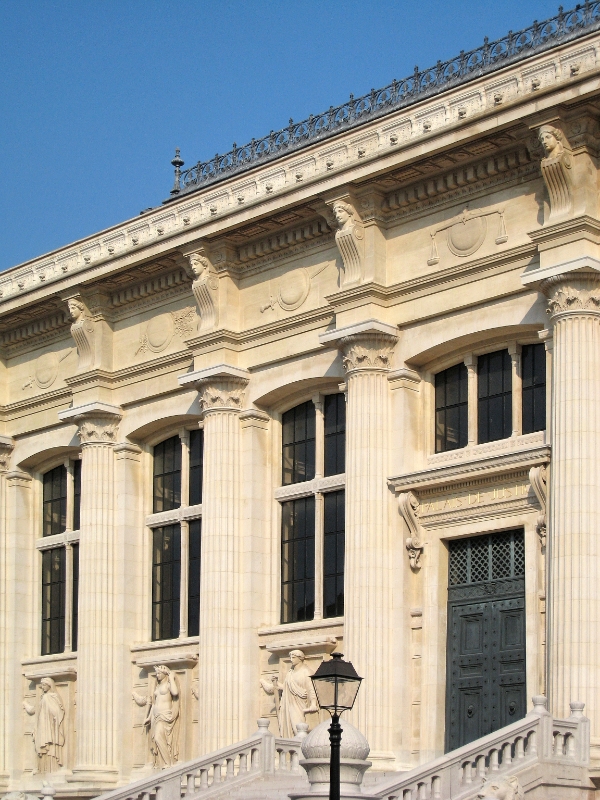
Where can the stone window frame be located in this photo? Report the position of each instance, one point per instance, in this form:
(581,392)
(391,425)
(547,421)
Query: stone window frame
(181,516)
(469,358)
(67,539)
(317,487)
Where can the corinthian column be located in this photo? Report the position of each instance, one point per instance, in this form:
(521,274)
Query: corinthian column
(224,650)
(98,656)
(573,543)
(369,574)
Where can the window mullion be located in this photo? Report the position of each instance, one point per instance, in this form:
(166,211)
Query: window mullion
(319,548)
(514,350)
(319,436)
(184,578)
(68,590)
(470,362)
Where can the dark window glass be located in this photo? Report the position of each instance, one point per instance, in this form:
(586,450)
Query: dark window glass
(335,434)
(299,444)
(53,601)
(494,389)
(533,371)
(196,458)
(298,560)
(167,474)
(55,501)
(194,578)
(76,495)
(451,409)
(75,596)
(166,571)
(333,557)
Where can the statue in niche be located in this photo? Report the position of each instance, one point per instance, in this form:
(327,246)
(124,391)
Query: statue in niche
(162,719)
(349,239)
(48,734)
(298,696)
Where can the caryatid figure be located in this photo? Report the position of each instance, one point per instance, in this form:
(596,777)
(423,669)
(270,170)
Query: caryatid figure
(163,719)
(298,696)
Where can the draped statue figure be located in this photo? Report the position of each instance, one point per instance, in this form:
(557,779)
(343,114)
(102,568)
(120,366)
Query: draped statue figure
(163,719)
(298,696)
(48,734)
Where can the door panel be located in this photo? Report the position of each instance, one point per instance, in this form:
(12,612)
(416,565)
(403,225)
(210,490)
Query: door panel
(486,685)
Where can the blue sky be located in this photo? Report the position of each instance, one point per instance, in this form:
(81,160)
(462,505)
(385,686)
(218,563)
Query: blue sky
(96,94)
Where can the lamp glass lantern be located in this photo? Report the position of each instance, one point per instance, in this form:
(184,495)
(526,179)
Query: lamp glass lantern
(336,684)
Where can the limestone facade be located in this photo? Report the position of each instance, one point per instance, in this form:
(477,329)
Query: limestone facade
(423,240)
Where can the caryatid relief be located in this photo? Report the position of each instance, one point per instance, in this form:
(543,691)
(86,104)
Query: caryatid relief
(205,288)
(350,241)
(48,733)
(82,330)
(295,697)
(162,719)
(556,170)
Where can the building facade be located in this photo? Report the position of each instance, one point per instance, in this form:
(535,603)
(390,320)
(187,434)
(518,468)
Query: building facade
(342,394)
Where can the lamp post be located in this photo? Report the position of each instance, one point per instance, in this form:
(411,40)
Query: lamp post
(336,685)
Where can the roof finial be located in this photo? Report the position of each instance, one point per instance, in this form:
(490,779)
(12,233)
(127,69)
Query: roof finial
(178,164)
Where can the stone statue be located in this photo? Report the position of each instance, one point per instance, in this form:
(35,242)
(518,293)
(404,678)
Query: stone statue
(297,696)
(48,734)
(344,215)
(507,788)
(551,140)
(163,719)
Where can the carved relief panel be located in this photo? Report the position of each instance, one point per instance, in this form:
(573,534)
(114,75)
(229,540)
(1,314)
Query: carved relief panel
(49,722)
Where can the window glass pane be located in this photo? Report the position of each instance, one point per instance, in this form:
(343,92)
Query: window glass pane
(53,601)
(196,466)
(166,567)
(451,409)
(533,370)
(335,434)
(494,391)
(75,619)
(298,560)
(167,475)
(54,511)
(76,495)
(298,445)
(194,578)
(333,555)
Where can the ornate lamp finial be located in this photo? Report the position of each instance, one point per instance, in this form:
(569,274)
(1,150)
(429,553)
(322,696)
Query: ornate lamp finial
(178,164)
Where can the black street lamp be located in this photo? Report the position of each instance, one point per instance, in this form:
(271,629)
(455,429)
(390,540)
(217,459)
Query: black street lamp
(336,684)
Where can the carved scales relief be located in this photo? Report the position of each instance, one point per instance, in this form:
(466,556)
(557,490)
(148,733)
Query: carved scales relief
(408,506)
(466,233)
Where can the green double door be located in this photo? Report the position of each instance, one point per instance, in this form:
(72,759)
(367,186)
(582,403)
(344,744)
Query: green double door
(486,676)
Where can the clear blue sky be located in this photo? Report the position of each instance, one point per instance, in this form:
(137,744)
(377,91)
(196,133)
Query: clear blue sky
(96,94)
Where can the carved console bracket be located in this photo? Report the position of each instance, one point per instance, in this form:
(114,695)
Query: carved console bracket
(221,388)
(6,447)
(557,171)
(82,330)
(408,506)
(205,286)
(98,422)
(350,239)
(538,478)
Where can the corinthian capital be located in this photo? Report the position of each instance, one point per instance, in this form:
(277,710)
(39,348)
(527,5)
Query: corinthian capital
(98,422)
(219,388)
(6,447)
(366,346)
(575,292)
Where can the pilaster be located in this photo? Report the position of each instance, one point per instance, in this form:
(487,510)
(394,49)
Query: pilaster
(226,652)
(100,634)
(372,581)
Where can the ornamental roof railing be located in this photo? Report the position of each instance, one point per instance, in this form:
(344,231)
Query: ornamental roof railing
(467,66)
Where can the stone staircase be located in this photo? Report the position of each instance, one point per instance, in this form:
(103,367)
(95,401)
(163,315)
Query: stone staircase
(544,757)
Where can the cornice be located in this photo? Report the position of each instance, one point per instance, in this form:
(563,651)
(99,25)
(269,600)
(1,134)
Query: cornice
(584,226)
(490,102)
(38,402)
(470,468)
